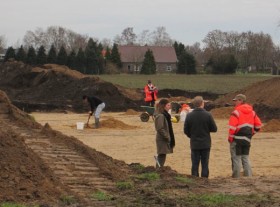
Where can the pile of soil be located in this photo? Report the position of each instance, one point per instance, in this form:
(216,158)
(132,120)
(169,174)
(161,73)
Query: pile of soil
(115,124)
(222,112)
(264,96)
(23,175)
(272,126)
(54,87)
(131,112)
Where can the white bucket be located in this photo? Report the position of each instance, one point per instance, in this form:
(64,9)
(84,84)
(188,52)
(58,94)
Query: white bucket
(80,125)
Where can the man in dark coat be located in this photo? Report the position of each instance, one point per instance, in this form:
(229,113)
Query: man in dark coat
(198,125)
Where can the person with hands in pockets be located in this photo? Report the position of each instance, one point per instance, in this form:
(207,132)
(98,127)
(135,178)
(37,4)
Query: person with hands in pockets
(198,125)
(165,140)
(243,124)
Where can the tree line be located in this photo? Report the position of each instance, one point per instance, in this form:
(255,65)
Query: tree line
(223,52)
(88,61)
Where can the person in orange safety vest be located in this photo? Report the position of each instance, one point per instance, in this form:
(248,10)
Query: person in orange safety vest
(243,124)
(150,94)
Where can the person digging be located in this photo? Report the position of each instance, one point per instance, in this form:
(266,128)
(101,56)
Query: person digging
(96,107)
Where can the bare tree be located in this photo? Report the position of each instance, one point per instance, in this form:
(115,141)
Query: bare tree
(214,41)
(57,36)
(248,48)
(144,38)
(161,38)
(2,43)
(118,40)
(128,37)
(106,43)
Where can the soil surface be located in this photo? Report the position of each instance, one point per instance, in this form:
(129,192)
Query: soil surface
(51,163)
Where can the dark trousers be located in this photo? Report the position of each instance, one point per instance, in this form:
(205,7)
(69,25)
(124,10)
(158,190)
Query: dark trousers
(202,156)
(161,159)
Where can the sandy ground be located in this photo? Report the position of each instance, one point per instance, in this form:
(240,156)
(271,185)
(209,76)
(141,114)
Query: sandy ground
(138,145)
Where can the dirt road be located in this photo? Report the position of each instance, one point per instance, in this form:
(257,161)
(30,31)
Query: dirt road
(137,145)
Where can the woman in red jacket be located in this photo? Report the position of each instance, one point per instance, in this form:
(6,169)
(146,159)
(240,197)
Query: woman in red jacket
(150,94)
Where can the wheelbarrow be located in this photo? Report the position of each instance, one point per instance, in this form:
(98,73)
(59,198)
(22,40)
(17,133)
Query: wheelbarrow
(149,111)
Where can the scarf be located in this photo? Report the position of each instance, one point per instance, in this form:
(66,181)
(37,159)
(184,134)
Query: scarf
(168,118)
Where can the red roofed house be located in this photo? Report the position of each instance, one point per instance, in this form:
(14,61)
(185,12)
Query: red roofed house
(133,56)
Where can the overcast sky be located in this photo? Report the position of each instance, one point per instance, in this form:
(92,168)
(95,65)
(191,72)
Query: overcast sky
(187,21)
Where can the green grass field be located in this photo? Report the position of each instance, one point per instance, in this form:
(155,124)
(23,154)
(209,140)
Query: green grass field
(218,84)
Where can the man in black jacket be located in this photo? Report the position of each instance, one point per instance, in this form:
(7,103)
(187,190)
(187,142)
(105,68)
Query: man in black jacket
(198,125)
(96,106)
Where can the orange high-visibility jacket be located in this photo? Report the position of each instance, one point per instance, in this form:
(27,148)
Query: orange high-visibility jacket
(149,89)
(243,123)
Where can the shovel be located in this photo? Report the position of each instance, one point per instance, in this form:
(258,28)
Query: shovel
(88,120)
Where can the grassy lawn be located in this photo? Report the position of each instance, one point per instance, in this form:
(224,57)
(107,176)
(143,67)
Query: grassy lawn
(219,84)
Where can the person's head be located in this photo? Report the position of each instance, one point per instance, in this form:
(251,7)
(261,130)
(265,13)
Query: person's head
(162,105)
(149,82)
(239,99)
(198,102)
(85,98)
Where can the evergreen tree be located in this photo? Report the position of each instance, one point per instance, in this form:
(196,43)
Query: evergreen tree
(186,64)
(91,57)
(41,56)
(149,64)
(179,49)
(31,56)
(10,54)
(62,56)
(51,58)
(80,61)
(71,60)
(115,56)
(21,54)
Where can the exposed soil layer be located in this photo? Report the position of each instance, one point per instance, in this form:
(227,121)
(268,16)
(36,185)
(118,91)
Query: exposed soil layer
(264,96)
(53,88)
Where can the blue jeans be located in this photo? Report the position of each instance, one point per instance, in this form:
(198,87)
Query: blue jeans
(202,156)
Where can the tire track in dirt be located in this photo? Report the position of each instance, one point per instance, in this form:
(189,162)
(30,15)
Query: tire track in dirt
(81,176)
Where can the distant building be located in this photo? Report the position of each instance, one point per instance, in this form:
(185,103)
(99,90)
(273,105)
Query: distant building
(2,55)
(132,58)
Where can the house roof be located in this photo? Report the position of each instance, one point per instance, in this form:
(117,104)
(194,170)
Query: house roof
(162,54)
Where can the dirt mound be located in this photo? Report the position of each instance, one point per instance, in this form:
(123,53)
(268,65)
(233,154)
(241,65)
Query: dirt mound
(115,124)
(23,175)
(222,113)
(264,96)
(57,87)
(131,112)
(272,126)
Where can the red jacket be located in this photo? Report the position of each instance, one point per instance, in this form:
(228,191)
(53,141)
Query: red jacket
(150,91)
(243,124)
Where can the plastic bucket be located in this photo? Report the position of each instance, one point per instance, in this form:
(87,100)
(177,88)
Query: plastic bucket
(80,125)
